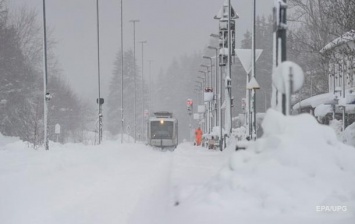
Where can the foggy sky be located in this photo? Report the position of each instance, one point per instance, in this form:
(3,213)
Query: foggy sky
(171,27)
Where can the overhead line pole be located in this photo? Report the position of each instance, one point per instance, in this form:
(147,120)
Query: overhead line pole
(215,88)
(143,42)
(150,87)
(98,70)
(229,69)
(46,95)
(253,134)
(122,109)
(135,79)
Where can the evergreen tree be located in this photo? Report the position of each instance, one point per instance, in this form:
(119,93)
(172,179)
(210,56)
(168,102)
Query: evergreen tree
(114,98)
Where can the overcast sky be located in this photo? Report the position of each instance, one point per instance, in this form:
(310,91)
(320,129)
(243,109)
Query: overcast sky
(171,27)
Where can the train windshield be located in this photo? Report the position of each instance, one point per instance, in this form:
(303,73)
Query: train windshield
(162,130)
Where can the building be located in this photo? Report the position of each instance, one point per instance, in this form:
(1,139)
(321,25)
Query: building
(339,102)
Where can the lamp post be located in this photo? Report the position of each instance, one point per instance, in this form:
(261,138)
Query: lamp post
(215,87)
(219,98)
(46,95)
(210,103)
(208,84)
(203,100)
(134,21)
(143,42)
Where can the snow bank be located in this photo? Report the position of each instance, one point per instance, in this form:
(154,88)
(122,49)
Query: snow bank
(349,135)
(297,173)
(7,142)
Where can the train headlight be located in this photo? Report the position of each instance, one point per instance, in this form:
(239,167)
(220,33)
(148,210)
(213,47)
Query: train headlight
(161,121)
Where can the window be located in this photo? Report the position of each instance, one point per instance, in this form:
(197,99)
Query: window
(162,130)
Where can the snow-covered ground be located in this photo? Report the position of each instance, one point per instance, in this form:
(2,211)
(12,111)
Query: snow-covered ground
(110,183)
(76,183)
(297,173)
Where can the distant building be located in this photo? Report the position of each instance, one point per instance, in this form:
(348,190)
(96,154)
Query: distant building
(339,102)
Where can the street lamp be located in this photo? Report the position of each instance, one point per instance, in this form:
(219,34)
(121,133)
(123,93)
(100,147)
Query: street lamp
(134,21)
(209,103)
(219,100)
(215,85)
(207,84)
(143,42)
(203,91)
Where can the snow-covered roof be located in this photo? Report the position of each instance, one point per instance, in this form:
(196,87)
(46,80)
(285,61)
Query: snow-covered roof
(328,98)
(314,101)
(345,38)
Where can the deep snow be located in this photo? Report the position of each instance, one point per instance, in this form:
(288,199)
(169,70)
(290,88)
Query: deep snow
(298,172)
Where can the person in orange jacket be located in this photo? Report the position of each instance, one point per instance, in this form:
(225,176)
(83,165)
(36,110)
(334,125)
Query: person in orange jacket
(198,136)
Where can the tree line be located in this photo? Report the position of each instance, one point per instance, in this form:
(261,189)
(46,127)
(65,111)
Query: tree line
(21,78)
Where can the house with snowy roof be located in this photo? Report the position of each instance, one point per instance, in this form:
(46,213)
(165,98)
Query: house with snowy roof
(339,102)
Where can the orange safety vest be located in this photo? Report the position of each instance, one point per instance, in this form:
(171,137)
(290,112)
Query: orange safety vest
(198,135)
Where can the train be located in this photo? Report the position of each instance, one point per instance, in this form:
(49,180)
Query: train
(162,130)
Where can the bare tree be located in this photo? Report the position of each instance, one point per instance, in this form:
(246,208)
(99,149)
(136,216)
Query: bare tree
(313,24)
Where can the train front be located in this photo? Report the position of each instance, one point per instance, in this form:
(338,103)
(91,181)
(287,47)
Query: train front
(163,132)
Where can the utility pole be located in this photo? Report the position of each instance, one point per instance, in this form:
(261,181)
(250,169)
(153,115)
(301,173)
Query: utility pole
(46,94)
(229,74)
(253,92)
(208,120)
(99,100)
(150,87)
(215,87)
(203,100)
(134,21)
(143,42)
(122,109)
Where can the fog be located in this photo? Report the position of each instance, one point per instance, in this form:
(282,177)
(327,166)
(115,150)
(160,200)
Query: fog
(171,27)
